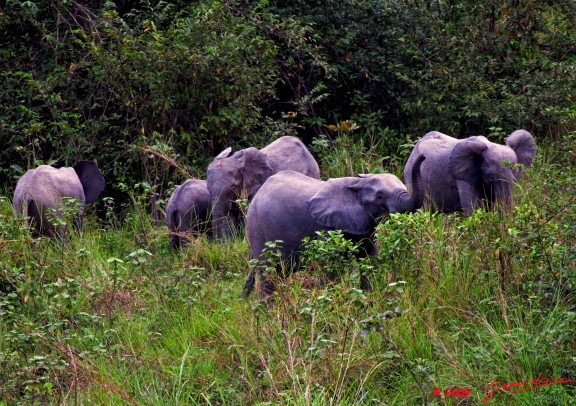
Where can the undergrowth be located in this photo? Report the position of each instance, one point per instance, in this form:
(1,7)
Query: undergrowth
(115,316)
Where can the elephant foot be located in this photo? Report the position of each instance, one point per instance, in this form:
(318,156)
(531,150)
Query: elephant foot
(365,283)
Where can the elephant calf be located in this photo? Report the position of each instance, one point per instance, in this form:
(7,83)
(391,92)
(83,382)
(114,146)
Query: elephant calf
(188,211)
(40,192)
(461,175)
(291,206)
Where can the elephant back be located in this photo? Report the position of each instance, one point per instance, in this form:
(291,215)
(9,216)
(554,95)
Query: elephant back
(289,153)
(48,185)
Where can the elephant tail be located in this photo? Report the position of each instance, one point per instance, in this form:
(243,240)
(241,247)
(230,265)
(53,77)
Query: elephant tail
(249,285)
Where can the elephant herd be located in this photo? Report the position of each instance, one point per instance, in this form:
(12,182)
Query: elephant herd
(287,199)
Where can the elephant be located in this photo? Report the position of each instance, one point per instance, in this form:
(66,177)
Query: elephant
(462,175)
(188,210)
(291,206)
(246,170)
(40,191)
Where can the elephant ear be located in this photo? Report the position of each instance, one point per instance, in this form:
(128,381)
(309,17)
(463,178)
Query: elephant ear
(224,154)
(337,205)
(256,170)
(91,179)
(523,144)
(466,158)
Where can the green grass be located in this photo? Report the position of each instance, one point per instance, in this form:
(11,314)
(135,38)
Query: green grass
(115,316)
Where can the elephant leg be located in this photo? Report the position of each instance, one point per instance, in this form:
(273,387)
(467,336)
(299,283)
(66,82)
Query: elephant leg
(238,216)
(365,283)
(249,284)
(267,287)
(256,238)
(175,240)
(43,226)
(368,249)
(78,223)
(327,278)
(35,218)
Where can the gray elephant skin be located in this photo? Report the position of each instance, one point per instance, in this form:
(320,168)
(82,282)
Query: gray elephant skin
(40,191)
(246,170)
(188,212)
(291,206)
(462,175)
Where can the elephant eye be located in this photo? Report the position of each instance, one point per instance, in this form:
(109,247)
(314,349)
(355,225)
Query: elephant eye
(380,198)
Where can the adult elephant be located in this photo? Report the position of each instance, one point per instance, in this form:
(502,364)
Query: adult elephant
(40,192)
(291,206)
(461,175)
(188,211)
(248,169)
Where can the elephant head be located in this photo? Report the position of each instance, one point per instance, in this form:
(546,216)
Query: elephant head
(41,191)
(228,177)
(355,205)
(486,171)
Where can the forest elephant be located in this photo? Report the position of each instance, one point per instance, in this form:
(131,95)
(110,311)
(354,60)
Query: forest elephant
(291,206)
(40,195)
(462,175)
(246,170)
(188,211)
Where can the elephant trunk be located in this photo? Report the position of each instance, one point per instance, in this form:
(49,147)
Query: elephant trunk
(225,220)
(502,194)
(406,202)
(220,225)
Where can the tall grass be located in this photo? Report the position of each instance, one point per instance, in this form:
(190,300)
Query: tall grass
(111,317)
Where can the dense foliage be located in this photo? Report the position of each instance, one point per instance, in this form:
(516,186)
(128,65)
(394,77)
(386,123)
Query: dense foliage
(126,81)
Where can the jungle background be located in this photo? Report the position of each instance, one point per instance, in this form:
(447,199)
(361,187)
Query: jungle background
(110,80)
(153,90)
